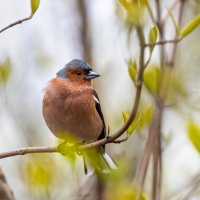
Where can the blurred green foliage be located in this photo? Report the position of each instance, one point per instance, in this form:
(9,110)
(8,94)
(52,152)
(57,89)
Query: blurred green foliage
(132,11)
(194,134)
(132,69)
(191,26)
(174,87)
(146,114)
(38,172)
(5,70)
(133,124)
(142,119)
(167,82)
(152,37)
(123,192)
(152,78)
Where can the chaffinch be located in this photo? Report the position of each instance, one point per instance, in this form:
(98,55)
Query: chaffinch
(72,112)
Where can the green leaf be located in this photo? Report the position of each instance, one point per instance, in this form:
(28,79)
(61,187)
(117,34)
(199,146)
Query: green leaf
(38,171)
(34,6)
(132,11)
(152,78)
(194,23)
(125,4)
(194,135)
(175,87)
(132,69)
(146,117)
(131,128)
(152,37)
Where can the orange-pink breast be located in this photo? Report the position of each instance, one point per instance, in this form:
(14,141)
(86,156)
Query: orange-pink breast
(70,112)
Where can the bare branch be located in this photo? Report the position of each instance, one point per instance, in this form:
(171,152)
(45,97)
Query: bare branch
(162,42)
(15,23)
(148,61)
(28,150)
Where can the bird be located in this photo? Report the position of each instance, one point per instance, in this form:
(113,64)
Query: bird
(72,111)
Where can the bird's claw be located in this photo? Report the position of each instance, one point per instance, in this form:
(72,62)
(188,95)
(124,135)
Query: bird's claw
(62,148)
(76,147)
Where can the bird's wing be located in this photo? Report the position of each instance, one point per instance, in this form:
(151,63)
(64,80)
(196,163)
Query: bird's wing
(98,108)
(102,161)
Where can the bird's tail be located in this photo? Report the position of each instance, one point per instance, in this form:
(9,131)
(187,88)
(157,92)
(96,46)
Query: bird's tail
(98,159)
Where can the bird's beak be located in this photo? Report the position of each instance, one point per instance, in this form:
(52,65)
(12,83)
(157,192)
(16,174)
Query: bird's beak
(92,75)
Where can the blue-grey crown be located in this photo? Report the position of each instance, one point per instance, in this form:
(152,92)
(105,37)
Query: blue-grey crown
(70,65)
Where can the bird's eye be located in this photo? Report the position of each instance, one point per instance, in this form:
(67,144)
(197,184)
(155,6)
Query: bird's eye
(78,73)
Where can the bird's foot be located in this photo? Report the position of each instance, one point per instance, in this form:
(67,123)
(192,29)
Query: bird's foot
(63,148)
(76,147)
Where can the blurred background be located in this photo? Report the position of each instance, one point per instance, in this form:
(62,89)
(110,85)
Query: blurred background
(93,30)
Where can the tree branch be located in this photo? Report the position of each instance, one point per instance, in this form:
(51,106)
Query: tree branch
(162,42)
(28,150)
(15,23)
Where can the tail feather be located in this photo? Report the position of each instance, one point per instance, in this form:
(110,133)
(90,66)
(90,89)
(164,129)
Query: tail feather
(98,159)
(110,162)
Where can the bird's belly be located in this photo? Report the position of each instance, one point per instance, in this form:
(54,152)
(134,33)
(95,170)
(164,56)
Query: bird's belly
(84,128)
(72,119)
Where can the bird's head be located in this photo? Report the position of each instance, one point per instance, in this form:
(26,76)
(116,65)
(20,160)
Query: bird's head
(78,71)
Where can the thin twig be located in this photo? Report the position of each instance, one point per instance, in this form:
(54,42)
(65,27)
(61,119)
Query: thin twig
(148,61)
(31,150)
(15,23)
(28,150)
(162,42)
